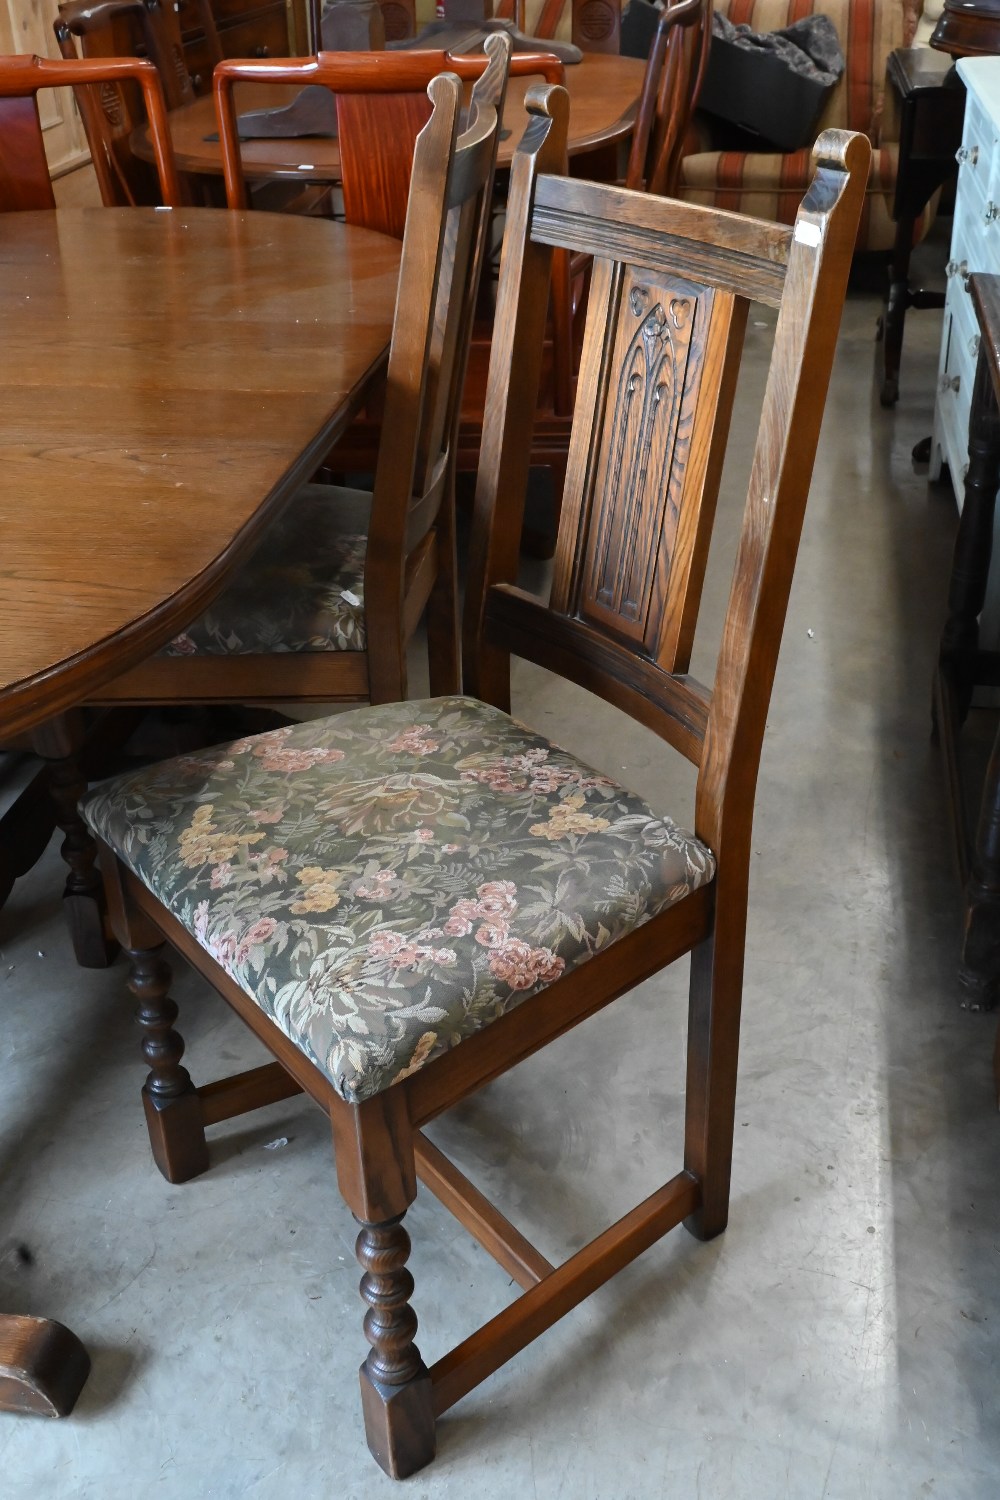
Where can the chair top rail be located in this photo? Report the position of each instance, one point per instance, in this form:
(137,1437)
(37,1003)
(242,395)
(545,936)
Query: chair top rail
(720,249)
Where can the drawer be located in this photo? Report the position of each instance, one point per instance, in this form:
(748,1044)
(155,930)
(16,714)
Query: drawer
(963,344)
(979,138)
(235,12)
(262,35)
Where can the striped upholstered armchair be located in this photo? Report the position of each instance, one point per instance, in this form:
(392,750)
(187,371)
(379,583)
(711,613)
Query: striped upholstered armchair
(771,184)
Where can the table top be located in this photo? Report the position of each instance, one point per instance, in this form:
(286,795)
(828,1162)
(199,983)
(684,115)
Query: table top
(603,91)
(168,378)
(913,68)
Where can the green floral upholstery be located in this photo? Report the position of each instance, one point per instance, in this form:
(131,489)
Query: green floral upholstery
(302,589)
(388,881)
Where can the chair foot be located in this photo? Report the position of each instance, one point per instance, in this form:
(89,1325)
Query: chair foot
(176,1133)
(399,1423)
(395,1384)
(706,1223)
(170,1100)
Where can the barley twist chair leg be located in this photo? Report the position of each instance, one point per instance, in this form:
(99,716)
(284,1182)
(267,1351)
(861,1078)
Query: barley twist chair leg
(395,1385)
(170,1099)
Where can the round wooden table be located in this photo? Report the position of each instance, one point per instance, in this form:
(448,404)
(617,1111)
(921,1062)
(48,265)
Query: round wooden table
(168,379)
(603,91)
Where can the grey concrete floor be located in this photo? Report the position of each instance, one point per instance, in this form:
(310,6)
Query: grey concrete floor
(840,1340)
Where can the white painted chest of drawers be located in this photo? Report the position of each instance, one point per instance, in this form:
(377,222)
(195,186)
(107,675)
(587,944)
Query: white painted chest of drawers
(975,246)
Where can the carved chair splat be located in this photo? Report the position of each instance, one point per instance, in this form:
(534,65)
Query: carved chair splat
(110,113)
(660,360)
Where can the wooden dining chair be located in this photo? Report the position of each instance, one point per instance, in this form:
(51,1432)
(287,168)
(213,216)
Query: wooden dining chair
(455,890)
(671,84)
(378,118)
(325,609)
(110,113)
(24,172)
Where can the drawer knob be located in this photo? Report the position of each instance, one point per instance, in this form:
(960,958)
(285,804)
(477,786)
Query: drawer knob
(967,154)
(957,268)
(949,383)
(974,345)
(992,212)
(262,51)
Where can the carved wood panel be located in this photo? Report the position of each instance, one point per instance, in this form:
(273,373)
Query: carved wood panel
(652,378)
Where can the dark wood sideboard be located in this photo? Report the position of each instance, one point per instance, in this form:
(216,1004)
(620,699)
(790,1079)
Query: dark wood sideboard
(247,28)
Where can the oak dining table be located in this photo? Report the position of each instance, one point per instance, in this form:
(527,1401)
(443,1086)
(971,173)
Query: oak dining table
(603,93)
(168,378)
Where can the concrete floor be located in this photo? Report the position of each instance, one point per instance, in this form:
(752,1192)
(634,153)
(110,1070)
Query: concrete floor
(841,1340)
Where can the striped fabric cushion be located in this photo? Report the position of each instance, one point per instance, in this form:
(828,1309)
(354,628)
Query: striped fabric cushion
(771,185)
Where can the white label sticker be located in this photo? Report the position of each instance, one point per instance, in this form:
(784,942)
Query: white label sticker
(807,234)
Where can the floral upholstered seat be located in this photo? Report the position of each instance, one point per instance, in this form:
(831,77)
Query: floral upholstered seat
(301,590)
(388,881)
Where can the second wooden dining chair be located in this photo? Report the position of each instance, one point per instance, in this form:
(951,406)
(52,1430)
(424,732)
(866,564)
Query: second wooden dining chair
(326,608)
(456,889)
(113,110)
(24,172)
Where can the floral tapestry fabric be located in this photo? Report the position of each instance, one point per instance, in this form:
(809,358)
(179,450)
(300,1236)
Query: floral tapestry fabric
(388,881)
(302,590)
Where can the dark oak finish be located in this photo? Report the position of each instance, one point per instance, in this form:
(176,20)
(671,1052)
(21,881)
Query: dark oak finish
(657,377)
(963,666)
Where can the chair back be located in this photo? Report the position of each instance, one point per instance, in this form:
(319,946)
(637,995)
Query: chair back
(382,105)
(444,243)
(671,84)
(24,173)
(116,28)
(111,112)
(672,284)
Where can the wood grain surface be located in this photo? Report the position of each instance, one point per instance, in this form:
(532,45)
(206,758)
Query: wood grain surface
(603,92)
(168,378)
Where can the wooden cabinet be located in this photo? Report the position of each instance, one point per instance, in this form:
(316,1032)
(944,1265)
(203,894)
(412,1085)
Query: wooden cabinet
(975,246)
(247,28)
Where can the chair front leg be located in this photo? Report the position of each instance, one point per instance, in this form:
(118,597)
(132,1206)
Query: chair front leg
(377,1175)
(716,994)
(169,1098)
(395,1384)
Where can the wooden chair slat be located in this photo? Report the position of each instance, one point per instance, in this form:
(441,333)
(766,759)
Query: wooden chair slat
(676,707)
(709,245)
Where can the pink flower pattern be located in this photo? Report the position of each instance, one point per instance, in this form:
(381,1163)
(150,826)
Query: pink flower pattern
(410,901)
